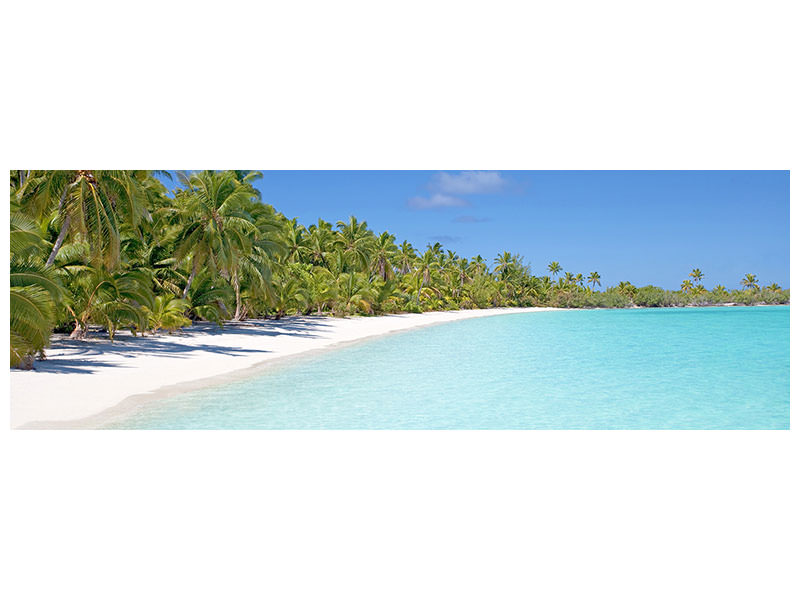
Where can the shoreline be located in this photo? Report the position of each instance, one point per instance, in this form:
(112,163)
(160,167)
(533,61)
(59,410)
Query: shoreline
(126,373)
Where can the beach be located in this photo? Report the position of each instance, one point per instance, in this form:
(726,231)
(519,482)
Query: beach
(82,379)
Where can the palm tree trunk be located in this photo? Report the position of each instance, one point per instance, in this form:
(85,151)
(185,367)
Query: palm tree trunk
(190,280)
(237,315)
(59,241)
(79,332)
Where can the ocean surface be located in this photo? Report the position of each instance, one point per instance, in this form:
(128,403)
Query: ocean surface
(681,368)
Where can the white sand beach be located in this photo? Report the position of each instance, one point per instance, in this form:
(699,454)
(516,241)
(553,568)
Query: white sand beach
(81,379)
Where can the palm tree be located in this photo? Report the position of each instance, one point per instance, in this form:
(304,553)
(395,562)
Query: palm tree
(594,278)
(319,242)
(554,268)
(89,204)
(426,265)
(406,257)
(167,313)
(356,242)
(353,292)
(686,286)
(109,299)
(321,288)
(216,231)
(294,241)
(504,264)
(750,282)
(35,293)
(697,275)
(383,253)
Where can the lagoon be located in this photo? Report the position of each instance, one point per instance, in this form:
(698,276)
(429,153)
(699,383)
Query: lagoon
(663,368)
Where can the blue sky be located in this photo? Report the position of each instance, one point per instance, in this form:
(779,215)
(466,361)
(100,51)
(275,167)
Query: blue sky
(641,226)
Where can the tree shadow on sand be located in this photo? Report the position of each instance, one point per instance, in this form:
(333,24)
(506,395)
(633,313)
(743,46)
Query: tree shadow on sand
(80,354)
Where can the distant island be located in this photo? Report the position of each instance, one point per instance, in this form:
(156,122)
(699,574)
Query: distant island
(118,250)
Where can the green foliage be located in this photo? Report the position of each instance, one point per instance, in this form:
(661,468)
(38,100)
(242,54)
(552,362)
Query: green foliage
(167,313)
(651,295)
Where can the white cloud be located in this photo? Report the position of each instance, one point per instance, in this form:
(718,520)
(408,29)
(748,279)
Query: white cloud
(436,201)
(468,182)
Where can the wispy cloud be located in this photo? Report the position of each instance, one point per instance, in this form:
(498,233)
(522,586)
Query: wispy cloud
(436,201)
(447,189)
(470,219)
(468,182)
(445,239)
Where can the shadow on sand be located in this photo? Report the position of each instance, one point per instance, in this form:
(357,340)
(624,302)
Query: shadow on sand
(80,355)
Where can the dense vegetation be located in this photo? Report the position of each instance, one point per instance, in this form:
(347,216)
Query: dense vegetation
(116,249)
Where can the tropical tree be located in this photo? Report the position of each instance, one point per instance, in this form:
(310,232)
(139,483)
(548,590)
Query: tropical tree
(749,281)
(554,268)
(34,296)
(167,313)
(383,254)
(594,278)
(111,299)
(216,230)
(697,275)
(89,205)
(356,242)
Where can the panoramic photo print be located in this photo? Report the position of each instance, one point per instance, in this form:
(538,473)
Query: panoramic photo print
(502,300)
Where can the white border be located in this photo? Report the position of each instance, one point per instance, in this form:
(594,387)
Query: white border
(448,85)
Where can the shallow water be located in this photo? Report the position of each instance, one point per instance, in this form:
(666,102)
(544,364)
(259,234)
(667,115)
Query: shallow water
(682,368)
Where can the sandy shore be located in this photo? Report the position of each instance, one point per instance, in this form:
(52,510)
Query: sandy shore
(81,379)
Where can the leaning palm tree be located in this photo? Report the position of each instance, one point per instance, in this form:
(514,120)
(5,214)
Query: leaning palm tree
(750,281)
(91,204)
(554,268)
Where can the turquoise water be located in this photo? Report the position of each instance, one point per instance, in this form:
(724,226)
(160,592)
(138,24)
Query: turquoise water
(682,368)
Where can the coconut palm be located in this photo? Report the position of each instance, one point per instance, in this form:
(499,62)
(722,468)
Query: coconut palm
(167,313)
(356,242)
(35,293)
(594,278)
(697,275)
(427,264)
(383,253)
(216,231)
(686,286)
(406,257)
(294,241)
(113,300)
(319,242)
(353,293)
(91,204)
(750,281)
(554,268)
